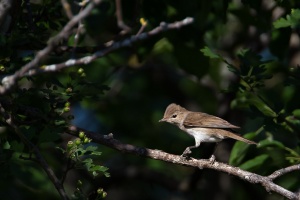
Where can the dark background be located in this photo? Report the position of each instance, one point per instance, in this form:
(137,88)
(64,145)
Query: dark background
(258,91)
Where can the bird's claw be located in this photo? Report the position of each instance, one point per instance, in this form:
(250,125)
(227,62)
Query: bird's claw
(186,153)
(212,159)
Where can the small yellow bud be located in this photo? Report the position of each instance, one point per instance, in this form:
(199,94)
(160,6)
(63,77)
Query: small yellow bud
(67,109)
(77,141)
(67,104)
(70,144)
(81,134)
(100,190)
(104,194)
(143,22)
(86,140)
(69,90)
(2,68)
(79,183)
(80,70)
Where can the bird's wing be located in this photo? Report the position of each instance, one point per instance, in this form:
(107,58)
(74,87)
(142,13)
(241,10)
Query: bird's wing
(203,120)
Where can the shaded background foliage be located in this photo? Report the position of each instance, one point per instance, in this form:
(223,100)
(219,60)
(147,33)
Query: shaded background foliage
(203,67)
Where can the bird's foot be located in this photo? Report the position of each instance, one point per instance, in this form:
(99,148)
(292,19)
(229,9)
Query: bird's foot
(212,159)
(186,153)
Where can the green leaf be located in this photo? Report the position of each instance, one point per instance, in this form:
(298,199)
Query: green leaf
(233,69)
(101,169)
(91,148)
(61,149)
(96,153)
(296,113)
(267,142)
(209,53)
(17,146)
(254,163)
(260,105)
(163,46)
(239,150)
(292,20)
(6,145)
(88,163)
(281,23)
(293,120)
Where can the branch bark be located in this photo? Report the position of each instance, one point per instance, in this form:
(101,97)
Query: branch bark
(9,81)
(284,171)
(5,6)
(119,15)
(109,141)
(30,70)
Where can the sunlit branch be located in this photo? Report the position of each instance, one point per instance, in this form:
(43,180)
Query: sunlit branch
(109,141)
(284,171)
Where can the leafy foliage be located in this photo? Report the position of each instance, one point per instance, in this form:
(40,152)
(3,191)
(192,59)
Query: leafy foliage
(253,74)
(292,20)
(82,154)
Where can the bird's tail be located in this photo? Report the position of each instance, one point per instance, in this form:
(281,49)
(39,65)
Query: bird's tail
(240,138)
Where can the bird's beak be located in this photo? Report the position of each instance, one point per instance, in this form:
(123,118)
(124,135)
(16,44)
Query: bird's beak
(162,120)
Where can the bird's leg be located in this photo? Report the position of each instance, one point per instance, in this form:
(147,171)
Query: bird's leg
(188,151)
(212,158)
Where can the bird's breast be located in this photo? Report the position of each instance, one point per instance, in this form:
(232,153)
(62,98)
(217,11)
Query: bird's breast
(204,134)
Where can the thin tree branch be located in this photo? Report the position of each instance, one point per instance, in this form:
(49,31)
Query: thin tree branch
(283,171)
(29,15)
(77,35)
(5,17)
(70,165)
(109,141)
(9,81)
(67,8)
(144,24)
(38,156)
(5,6)
(119,15)
(110,47)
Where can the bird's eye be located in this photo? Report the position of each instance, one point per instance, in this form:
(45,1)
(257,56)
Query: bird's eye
(174,116)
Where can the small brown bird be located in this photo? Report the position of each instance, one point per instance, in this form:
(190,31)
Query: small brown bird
(203,127)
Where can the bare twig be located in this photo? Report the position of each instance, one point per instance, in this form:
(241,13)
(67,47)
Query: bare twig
(109,141)
(284,171)
(144,24)
(76,37)
(70,165)
(29,15)
(30,70)
(38,156)
(5,6)
(119,15)
(67,8)
(110,47)
(9,81)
